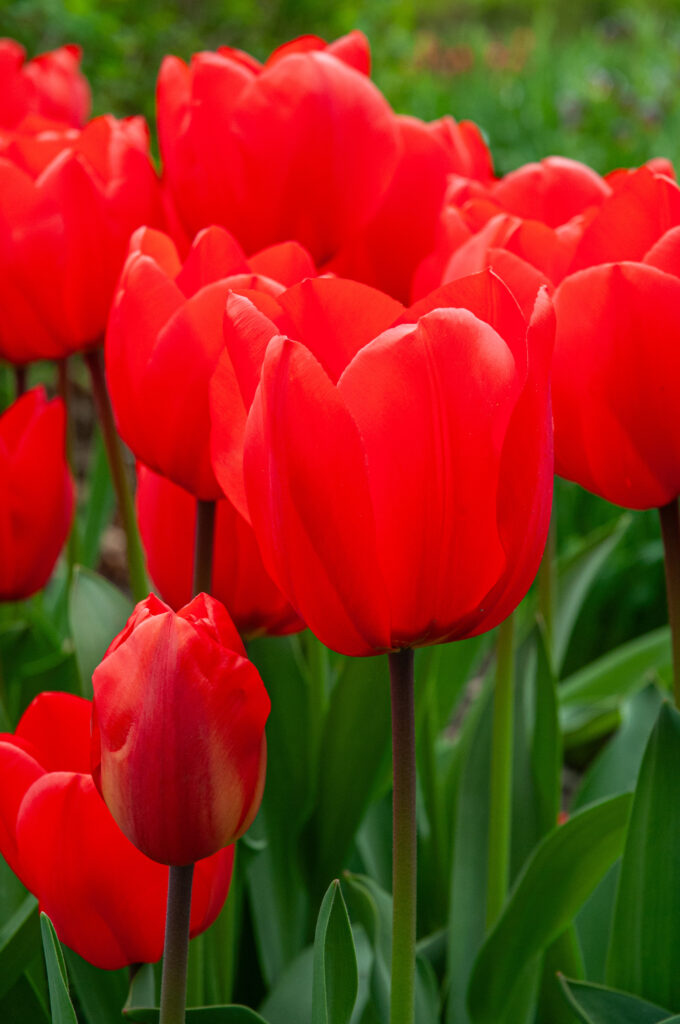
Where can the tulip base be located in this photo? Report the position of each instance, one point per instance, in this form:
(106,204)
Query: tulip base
(670,531)
(402,992)
(176,951)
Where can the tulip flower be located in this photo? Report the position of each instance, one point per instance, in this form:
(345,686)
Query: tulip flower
(51,85)
(303,147)
(387,250)
(437,422)
(164,338)
(36,493)
(178,745)
(167,518)
(69,201)
(105,898)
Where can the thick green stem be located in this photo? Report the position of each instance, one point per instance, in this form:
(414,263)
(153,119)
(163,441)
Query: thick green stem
(204,538)
(547,584)
(176,950)
(139,582)
(402,997)
(500,799)
(670,531)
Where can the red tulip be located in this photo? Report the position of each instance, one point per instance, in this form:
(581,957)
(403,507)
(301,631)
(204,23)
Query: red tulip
(69,201)
(400,484)
(36,493)
(50,85)
(302,147)
(178,745)
(167,516)
(387,250)
(106,899)
(164,338)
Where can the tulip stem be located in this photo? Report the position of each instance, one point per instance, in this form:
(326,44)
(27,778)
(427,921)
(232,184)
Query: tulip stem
(402,996)
(670,531)
(500,798)
(176,951)
(20,380)
(203,546)
(139,582)
(64,389)
(547,585)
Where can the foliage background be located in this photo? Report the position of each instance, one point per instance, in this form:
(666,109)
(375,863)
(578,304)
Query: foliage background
(592,79)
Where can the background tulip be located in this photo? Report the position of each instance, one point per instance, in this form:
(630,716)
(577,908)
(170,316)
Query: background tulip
(69,201)
(36,493)
(50,85)
(178,746)
(164,338)
(446,468)
(105,898)
(167,522)
(230,155)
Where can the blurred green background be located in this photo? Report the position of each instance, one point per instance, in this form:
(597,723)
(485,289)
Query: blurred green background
(591,79)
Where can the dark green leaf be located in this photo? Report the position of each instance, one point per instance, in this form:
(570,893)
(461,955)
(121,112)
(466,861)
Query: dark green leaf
(97,613)
(22,1004)
(546,748)
(101,994)
(646,925)
(200,1015)
(99,505)
(142,990)
(596,1004)
(335,965)
(577,853)
(57,978)
(19,943)
(564,955)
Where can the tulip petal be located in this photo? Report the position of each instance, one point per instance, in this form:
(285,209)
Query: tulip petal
(58,726)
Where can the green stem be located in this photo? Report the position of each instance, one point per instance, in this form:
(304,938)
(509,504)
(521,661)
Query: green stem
(21,379)
(204,538)
(670,531)
(64,389)
(547,584)
(402,994)
(176,950)
(139,582)
(500,801)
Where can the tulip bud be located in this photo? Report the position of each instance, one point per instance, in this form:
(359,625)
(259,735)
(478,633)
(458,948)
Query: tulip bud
(37,493)
(178,744)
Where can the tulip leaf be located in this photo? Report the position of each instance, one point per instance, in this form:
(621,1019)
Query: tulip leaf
(101,501)
(100,993)
(576,575)
(538,910)
(23,1004)
(646,923)
(97,613)
(19,941)
(199,1015)
(596,1004)
(57,978)
(335,981)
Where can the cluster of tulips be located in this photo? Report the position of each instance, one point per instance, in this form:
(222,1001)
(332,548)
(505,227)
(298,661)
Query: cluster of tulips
(329,335)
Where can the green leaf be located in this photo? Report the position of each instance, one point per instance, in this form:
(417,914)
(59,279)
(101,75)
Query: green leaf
(200,1015)
(563,955)
(19,943)
(539,908)
(546,748)
(100,993)
(57,978)
(22,1004)
(646,925)
(142,990)
(335,964)
(97,613)
(596,1004)
(98,506)
(576,574)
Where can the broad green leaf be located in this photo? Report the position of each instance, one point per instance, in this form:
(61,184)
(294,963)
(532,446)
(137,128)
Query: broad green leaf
(356,745)
(596,1004)
(564,955)
(199,1015)
(546,747)
(57,978)
(618,673)
(98,508)
(19,943)
(101,994)
(646,924)
(142,990)
(97,613)
(539,908)
(335,965)
(576,574)
(23,1004)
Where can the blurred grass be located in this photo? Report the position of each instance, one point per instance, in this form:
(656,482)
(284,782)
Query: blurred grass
(596,81)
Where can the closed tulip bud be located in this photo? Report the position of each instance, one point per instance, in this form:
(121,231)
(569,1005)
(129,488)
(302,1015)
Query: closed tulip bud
(36,493)
(106,899)
(178,744)
(69,201)
(51,85)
